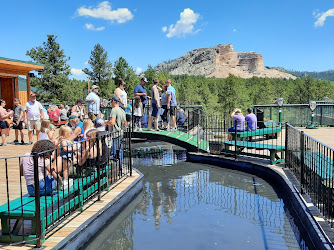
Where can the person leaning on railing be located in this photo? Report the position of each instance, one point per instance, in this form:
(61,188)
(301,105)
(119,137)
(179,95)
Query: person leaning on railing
(47,175)
(117,122)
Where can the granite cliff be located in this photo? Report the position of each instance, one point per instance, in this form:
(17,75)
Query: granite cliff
(220,61)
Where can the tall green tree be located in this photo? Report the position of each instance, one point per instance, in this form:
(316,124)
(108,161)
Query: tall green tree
(123,70)
(101,71)
(52,81)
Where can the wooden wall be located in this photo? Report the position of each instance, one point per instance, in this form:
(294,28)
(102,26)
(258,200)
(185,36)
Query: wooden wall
(23,97)
(7,91)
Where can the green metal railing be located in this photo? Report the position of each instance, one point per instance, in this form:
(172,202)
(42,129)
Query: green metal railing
(298,114)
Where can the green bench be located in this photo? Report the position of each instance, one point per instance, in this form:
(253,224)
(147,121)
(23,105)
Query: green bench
(51,208)
(241,145)
(319,163)
(267,132)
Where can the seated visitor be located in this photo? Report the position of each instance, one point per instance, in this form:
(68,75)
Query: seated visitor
(251,120)
(180,117)
(238,124)
(47,175)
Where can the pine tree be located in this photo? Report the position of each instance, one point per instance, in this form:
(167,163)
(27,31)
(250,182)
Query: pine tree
(52,81)
(101,71)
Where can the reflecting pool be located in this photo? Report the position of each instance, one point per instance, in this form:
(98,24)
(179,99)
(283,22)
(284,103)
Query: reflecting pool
(197,206)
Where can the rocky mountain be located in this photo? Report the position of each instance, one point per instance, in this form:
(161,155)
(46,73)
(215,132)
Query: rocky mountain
(220,61)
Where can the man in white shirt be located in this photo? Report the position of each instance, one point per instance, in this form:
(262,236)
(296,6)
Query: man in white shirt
(93,100)
(33,116)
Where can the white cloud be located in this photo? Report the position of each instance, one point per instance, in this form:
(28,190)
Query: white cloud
(87,62)
(234,30)
(90,26)
(138,70)
(183,26)
(77,72)
(104,11)
(321,17)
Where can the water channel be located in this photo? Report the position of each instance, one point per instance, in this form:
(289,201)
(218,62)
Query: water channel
(197,206)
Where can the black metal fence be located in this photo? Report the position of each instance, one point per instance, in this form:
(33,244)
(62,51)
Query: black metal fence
(241,138)
(299,114)
(57,182)
(312,163)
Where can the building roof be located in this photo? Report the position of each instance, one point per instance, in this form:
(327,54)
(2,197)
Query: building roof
(13,67)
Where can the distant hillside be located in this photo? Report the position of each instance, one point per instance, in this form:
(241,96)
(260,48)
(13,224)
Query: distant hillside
(220,61)
(322,75)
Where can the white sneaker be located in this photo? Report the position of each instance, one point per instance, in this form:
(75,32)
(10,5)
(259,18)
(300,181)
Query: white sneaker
(140,129)
(136,129)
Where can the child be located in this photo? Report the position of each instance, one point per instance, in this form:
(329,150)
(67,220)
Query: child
(47,175)
(87,126)
(67,153)
(18,119)
(138,112)
(47,131)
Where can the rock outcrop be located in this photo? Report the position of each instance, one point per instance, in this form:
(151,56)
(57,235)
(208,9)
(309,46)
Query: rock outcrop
(220,61)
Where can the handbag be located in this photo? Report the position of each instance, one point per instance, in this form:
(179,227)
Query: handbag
(9,122)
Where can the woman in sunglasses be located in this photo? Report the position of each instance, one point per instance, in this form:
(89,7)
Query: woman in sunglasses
(4,115)
(120,92)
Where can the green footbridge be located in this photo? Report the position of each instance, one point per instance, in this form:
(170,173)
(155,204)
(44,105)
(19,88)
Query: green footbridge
(191,143)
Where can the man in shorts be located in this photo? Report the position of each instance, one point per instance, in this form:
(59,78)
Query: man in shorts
(18,119)
(155,106)
(33,116)
(171,103)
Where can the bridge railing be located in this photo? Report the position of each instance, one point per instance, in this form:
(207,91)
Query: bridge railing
(219,133)
(57,182)
(312,163)
(299,114)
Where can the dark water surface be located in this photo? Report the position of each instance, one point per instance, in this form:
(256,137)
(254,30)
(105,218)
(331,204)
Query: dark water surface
(197,206)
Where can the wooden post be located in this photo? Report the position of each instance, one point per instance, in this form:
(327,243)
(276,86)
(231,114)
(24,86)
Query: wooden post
(28,87)
(88,86)
(16,87)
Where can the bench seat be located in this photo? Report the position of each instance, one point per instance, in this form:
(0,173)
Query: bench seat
(240,145)
(268,132)
(51,207)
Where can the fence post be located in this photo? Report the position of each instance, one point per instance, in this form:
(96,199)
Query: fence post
(235,139)
(286,144)
(37,202)
(130,151)
(302,154)
(98,168)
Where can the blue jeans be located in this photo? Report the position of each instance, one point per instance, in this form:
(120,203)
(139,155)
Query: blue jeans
(117,150)
(50,184)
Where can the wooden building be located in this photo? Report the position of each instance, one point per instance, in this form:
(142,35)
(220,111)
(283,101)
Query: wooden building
(10,70)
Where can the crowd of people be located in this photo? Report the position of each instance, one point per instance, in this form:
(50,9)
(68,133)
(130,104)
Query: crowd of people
(78,124)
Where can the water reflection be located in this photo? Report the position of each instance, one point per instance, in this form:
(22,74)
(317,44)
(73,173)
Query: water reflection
(196,206)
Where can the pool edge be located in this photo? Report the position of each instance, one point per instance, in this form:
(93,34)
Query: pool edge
(319,233)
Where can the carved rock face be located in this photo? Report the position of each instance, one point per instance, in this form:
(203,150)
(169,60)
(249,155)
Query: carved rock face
(220,61)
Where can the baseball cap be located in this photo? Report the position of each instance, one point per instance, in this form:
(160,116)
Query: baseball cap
(72,117)
(144,79)
(95,87)
(100,124)
(33,94)
(80,101)
(115,99)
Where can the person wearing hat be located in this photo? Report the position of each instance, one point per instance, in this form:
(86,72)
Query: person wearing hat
(78,132)
(141,91)
(93,100)
(33,116)
(117,121)
(79,108)
(238,124)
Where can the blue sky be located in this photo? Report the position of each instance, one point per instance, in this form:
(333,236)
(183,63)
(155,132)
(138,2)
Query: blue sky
(294,34)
